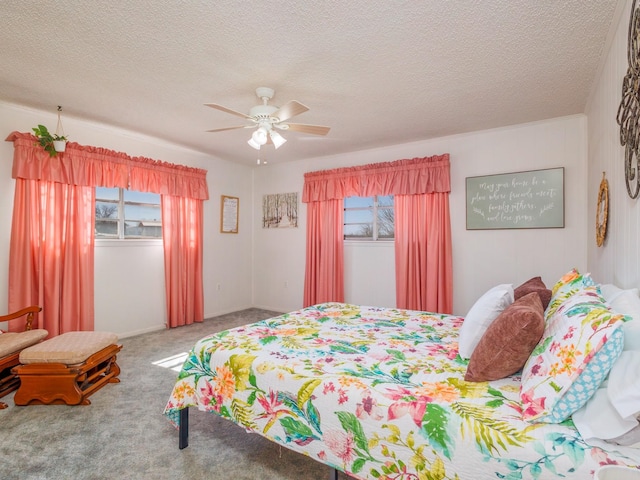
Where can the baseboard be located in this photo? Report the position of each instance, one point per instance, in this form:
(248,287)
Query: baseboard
(275,309)
(217,313)
(141,331)
(207,316)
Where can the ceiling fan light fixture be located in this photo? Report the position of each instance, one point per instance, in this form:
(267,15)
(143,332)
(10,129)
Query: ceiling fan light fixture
(277,139)
(253,144)
(260,136)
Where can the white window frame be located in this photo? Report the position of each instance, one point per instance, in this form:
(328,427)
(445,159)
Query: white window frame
(120,220)
(374,210)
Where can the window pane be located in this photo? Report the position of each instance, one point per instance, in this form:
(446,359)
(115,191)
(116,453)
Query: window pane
(106,228)
(358,202)
(141,197)
(137,215)
(142,221)
(385,222)
(106,210)
(385,201)
(359,215)
(144,229)
(103,193)
(358,230)
(142,212)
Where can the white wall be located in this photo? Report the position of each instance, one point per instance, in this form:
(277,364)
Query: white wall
(481,259)
(129,276)
(618,260)
(265,267)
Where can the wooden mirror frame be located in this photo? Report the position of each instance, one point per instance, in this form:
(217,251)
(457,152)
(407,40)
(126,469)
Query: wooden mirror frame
(602,211)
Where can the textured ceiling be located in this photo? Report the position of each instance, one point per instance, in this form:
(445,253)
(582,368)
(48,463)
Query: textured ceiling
(377,72)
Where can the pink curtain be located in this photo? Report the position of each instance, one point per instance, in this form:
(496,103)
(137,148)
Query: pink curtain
(402,177)
(325,190)
(424,272)
(324,271)
(52,243)
(182,233)
(51,255)
(100,167)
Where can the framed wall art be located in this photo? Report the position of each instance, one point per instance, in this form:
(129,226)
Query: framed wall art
(280,210)
(531,199)
(229,212)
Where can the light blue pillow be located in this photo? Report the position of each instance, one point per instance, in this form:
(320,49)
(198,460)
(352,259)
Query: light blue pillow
(588,382)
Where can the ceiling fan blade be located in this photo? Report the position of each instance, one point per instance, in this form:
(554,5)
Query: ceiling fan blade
(228,110)
(230,128)
(290,109)
(312,129)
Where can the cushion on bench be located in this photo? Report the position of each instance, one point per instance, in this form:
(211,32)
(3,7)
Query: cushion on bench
(12,342)
(69,348)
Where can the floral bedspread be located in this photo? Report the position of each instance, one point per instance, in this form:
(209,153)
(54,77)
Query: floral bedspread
(378,393)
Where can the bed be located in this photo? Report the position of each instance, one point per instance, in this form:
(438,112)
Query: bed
(377,393)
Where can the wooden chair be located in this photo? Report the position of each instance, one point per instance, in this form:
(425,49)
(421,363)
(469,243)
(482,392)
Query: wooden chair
(12,343)
(67,369)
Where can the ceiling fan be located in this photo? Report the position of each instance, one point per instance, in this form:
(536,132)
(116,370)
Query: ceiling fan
(267,118)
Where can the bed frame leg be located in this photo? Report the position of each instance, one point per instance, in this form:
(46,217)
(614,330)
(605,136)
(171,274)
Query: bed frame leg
(183,435)
(333,475)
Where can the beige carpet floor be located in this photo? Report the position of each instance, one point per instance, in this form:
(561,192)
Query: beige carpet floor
(124,435)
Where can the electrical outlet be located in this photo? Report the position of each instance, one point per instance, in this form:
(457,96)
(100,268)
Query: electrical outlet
(286,284)
(219,287)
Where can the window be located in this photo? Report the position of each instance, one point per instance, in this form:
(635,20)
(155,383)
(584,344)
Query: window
(126,214)
(369,218)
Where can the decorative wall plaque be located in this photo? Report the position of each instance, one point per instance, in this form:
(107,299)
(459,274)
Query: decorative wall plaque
(629,110)
(229,208)
(532,199)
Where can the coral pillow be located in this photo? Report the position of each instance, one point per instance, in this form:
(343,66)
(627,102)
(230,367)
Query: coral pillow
(506,345)
(534,284)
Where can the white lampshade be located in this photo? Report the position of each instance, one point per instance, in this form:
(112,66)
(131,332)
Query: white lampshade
(253,143)
(277,139)
(260,136)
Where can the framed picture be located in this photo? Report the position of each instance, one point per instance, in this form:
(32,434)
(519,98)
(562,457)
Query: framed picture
(531,199)
(280,210)
(229,210)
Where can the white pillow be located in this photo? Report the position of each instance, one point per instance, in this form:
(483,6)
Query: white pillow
(611,413)
(623,388)
(481,315)
(627,302)
(599,419)
(610,291)
(629,439)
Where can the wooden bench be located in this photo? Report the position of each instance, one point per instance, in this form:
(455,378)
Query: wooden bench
(12,343)
(67,369)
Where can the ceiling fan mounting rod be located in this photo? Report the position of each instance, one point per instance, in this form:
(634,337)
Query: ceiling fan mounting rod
(265,94)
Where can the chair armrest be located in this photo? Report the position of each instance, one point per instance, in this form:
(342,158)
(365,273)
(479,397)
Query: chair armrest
(29,312)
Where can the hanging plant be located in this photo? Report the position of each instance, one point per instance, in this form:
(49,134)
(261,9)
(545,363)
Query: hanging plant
(52,143)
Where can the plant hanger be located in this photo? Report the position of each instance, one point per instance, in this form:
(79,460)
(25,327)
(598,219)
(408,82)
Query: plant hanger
(53,144)
(59,128)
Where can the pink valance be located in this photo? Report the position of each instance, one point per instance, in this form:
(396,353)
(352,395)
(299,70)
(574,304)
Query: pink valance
(100,167)
(402,177)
